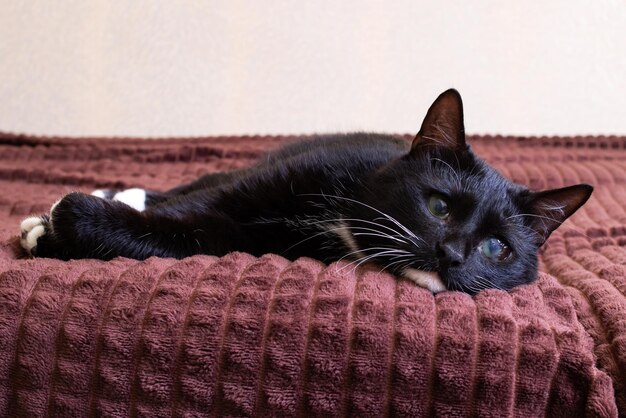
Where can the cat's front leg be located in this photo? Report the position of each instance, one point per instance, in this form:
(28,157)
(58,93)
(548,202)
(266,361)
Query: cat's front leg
(71,228)
(85,226)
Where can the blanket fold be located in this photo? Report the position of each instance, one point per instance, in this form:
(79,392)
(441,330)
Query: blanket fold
(246,336)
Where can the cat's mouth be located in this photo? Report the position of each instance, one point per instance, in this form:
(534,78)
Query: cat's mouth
(427,279)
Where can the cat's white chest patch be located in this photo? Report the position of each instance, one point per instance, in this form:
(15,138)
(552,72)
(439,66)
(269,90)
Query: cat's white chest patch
(427,279)
(342,230)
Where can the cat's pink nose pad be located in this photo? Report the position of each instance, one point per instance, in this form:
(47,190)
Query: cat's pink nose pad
(451,253)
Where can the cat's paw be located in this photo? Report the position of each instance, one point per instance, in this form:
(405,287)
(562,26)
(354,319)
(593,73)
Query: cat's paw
(58,234)
(36,230)
(135,197)
(427,279)
(33,229)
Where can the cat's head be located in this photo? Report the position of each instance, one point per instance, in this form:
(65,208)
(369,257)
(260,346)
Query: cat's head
(454,216)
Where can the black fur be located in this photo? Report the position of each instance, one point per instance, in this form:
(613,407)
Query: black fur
(297,200)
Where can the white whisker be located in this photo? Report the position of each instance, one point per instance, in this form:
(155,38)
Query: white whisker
(534,216)
(366,258)
(456,175)
(398,236)
(386,216)
(392,264)
(486,283)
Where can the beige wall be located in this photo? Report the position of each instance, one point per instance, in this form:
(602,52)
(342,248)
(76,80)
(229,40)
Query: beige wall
(228,67)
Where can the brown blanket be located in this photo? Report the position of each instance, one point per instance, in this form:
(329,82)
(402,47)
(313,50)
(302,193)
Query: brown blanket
(240,336)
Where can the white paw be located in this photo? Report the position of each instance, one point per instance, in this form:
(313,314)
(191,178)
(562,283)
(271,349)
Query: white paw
(35,227)
(135,198)
(31,230)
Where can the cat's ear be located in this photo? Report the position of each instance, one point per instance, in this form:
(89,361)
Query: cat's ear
(443,124)
(550,208)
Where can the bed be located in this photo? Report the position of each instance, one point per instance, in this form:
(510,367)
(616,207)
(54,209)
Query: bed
(246,336)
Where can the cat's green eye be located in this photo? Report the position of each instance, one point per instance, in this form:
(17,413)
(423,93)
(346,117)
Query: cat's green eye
(495,250)
(438,206)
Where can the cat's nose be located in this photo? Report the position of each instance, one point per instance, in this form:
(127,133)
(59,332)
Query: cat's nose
(452,252)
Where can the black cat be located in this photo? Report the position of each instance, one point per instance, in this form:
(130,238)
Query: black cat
(431,211)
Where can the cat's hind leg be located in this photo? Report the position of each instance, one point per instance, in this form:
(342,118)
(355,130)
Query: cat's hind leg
(140,199)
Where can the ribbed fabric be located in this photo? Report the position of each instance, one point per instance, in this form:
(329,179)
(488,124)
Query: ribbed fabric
(245,336)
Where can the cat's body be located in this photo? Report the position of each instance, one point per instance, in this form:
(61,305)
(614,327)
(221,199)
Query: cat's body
(430,210)
(288,197)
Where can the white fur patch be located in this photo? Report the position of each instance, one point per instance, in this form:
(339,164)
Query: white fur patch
(31,230)
(426,279)
(34,227)
(98,193)
(135,198)
(341,229)
(29,223)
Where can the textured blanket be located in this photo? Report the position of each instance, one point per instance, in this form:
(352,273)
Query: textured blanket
(243,336)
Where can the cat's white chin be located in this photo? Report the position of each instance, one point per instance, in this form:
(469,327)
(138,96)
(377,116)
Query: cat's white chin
(427,279)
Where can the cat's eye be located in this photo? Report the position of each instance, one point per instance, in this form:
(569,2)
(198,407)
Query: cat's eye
(438,206)
(495,250)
